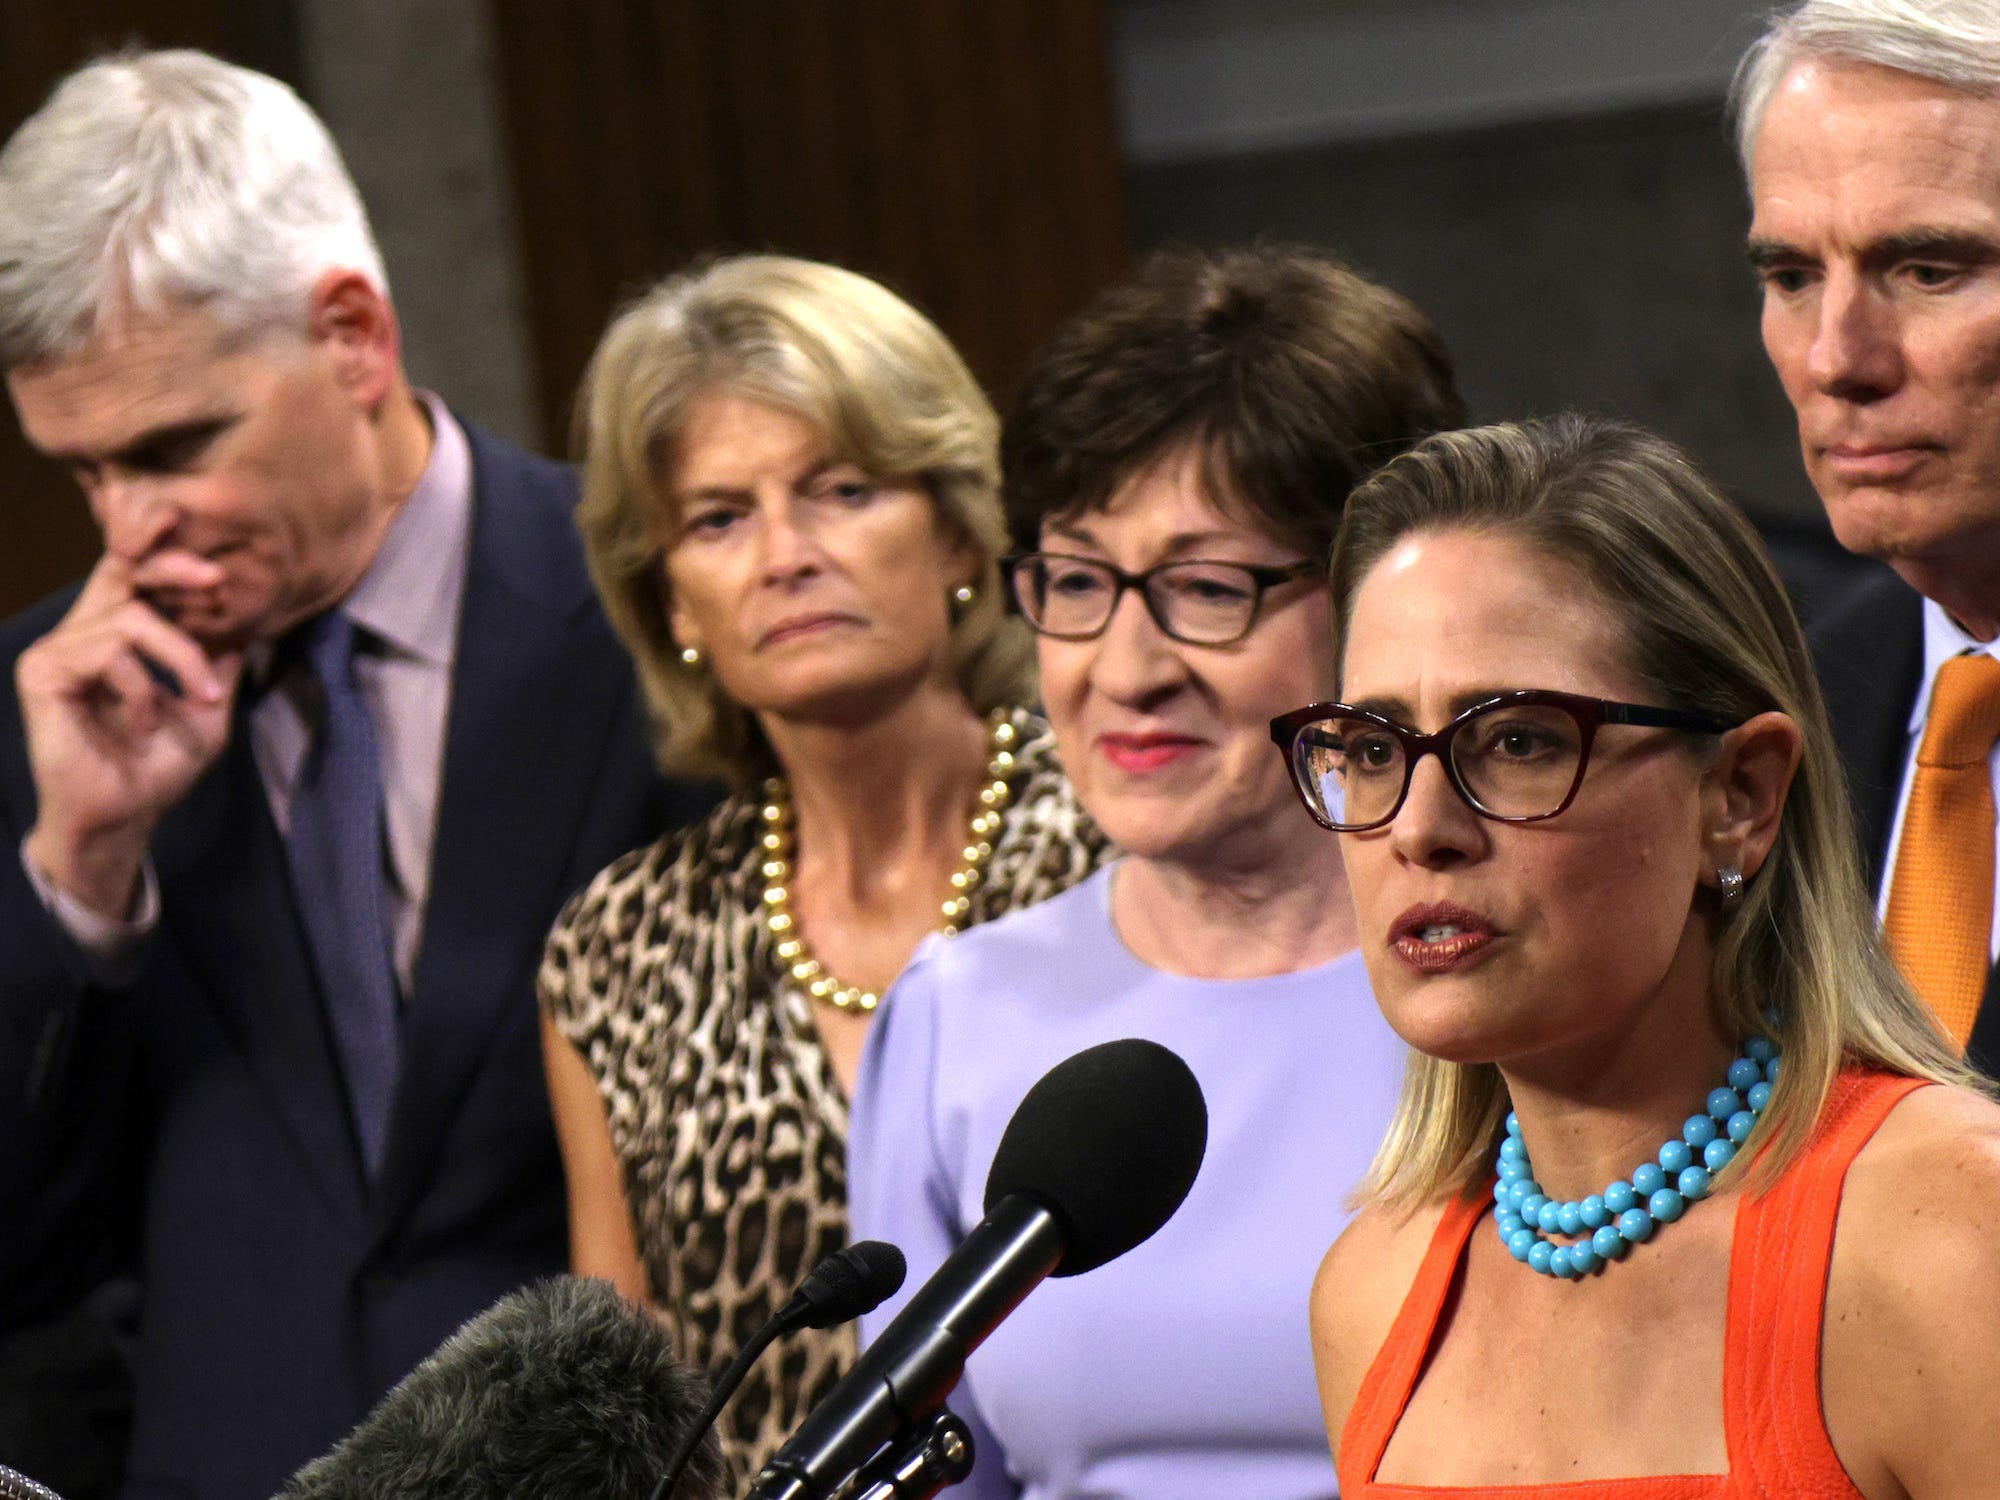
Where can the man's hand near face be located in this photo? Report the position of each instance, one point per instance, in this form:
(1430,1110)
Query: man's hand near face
(124,711)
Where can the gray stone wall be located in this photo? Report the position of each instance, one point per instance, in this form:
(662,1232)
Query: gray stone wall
(410,90)
(1552,180)
(1594,263)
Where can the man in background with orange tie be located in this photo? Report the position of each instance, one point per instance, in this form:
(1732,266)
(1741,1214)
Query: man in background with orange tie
(1870,130)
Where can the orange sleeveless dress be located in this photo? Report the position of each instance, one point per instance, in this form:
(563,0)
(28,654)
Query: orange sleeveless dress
(1778,1444)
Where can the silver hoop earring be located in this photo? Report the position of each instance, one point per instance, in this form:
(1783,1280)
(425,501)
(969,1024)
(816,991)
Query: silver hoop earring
(691,657)
(1729,886)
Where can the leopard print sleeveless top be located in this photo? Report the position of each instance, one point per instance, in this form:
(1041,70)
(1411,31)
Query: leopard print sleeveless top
(729,1125)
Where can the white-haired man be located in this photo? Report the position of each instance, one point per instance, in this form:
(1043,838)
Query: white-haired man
(1870,130)
(291,788)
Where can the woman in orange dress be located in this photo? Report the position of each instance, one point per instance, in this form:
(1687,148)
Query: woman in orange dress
(1687,1195)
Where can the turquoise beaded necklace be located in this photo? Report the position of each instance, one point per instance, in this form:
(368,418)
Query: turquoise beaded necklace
(1626,1213)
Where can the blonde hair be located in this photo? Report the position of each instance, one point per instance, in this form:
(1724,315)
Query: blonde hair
(1709,630)
(845,354)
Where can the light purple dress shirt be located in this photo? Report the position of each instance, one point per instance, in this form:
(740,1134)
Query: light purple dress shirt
(1183,1368)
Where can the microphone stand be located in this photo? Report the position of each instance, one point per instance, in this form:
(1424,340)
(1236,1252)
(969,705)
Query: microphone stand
(918,1462)
(935,1453)
(902,1379)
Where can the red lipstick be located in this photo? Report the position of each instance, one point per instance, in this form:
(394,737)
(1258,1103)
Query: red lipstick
(1136,754)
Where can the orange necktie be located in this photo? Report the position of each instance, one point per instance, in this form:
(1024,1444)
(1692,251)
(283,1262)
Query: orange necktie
(1940,919)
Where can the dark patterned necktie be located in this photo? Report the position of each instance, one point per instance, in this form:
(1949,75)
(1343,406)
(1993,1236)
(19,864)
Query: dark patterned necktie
(336,852)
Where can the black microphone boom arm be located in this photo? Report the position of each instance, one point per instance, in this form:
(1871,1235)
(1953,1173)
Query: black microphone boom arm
(907,1373)
(1098,1155)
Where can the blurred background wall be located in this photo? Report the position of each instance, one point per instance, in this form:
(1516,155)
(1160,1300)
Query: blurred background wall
(1551,179)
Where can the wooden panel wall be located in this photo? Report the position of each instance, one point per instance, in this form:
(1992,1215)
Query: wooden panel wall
(45,534)
(963,151)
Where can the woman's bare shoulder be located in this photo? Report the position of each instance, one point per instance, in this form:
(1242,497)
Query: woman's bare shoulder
(1910,1360)
(1356,1295)
(1938,1150)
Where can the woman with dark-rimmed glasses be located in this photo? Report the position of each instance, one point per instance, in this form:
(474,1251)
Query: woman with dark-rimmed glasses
(1515,757)
(1179,457)
(1668,1210)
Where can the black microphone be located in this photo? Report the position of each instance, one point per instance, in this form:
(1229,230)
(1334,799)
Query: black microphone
(838,1290)
(848,1283)
(1095,1159)
(563,1390)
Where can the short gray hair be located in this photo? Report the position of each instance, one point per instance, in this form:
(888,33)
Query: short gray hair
(1952,42)
(153,181)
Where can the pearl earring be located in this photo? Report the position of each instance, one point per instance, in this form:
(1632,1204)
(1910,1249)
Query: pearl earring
(691,656)
(962,595)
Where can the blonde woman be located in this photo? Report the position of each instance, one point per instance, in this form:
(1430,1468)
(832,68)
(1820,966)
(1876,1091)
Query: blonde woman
(791,511)
(1601,857)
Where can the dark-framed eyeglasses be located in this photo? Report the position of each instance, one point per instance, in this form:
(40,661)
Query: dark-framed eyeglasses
(1516,757)
(1196,602)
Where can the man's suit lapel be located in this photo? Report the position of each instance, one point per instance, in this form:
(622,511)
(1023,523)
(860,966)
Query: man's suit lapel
(1870,653)
(528,723)
(227,907)
(1869,649)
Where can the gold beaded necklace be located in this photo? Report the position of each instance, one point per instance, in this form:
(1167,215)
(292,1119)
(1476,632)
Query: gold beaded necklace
(792,950)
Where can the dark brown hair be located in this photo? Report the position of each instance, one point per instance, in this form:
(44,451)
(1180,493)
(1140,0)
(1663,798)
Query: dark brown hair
(1293,377)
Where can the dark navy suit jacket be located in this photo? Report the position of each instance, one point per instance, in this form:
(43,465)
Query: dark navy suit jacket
(192,1124)
(1868,644)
